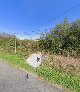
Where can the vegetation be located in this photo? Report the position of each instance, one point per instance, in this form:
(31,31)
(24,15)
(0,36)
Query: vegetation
(53,75)
(23,47)
(16,60)
(61,48)
(64,39)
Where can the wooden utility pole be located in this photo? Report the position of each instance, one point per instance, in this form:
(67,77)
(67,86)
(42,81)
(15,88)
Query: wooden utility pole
(15,44)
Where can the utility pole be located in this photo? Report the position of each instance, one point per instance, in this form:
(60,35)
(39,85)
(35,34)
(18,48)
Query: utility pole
(15,48)
(15,44)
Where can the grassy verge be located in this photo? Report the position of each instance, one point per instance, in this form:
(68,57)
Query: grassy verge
(16,60)
(53,75)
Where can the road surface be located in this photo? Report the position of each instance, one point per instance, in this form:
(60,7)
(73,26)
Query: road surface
(14,80)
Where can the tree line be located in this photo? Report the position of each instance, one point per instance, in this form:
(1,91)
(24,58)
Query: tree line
(23,47)
(63,39)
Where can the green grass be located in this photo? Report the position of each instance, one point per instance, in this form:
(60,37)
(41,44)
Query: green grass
(53,75)
(16,60)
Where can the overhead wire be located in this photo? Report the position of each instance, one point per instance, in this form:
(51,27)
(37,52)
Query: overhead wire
(59,15)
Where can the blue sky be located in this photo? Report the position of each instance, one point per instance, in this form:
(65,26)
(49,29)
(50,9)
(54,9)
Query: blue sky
(19,16)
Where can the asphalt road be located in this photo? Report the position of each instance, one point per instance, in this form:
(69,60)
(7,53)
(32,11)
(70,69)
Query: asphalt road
(14,80)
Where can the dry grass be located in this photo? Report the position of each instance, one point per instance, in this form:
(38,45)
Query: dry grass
(67,64)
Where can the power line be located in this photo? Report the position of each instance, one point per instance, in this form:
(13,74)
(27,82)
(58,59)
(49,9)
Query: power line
(69,9)
(45,29)
(62,13)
